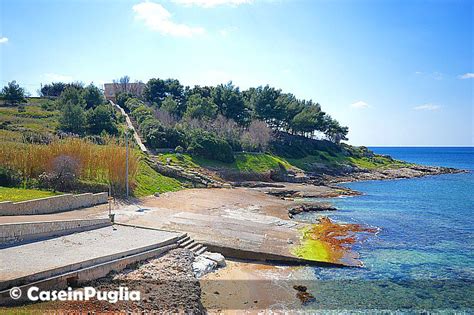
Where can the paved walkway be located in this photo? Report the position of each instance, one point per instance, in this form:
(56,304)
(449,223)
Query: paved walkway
(130,125)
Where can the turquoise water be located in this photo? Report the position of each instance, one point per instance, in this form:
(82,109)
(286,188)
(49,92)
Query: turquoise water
(422,259)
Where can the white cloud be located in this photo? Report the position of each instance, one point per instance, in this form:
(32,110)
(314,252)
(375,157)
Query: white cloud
(158,19)
(3,40)
(54,77)
(428,107)
(212,3)
(468,75)
(360,105)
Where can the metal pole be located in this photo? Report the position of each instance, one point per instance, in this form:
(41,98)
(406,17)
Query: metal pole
(126,162)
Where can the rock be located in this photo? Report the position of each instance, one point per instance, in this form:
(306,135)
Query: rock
(302,294)
(203,266)
(258,184)
(216,257)
(284,193)
(319,206)
(157,194)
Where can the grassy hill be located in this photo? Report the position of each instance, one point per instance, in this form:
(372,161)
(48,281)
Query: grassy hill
(37,122)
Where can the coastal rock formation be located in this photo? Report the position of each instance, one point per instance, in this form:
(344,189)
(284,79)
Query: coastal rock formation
(309,207)
(303,295)
(412,171)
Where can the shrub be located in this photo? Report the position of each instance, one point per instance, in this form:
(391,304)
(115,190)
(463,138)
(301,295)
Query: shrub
(142,113)
(129,103)
(9,177)
(207,145)
(63,174)
(179,149)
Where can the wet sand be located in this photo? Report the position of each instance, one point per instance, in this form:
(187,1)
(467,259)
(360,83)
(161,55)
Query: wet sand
(244,286)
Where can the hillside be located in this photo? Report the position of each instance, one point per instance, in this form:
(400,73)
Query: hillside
(183,156)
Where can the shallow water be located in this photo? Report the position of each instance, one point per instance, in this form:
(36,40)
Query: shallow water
(422,259)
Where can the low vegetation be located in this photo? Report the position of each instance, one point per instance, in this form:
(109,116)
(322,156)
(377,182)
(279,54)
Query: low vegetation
(21,194)
(148,182)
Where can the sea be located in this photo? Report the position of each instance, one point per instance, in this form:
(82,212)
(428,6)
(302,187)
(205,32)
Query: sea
(422,259)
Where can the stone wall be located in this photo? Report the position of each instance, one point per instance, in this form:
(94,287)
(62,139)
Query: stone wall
(29,231)
(52,204)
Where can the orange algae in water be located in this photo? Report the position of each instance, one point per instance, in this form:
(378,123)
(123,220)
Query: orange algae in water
(331,242)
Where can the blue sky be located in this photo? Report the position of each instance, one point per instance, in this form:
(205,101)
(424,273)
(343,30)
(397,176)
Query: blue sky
(395,72)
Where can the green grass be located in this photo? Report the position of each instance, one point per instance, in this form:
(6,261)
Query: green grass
(14,122)
(20,194)
(377,162)
(244,162)
(320,157)
(149,182)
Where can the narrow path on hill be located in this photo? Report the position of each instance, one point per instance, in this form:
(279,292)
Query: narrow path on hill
(130,126)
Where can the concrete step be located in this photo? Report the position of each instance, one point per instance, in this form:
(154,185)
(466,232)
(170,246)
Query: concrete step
(184,239)
(186,243)
(190,245)
(201,251)
(195,248)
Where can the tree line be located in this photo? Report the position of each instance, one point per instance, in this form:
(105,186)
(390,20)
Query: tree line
(280,111)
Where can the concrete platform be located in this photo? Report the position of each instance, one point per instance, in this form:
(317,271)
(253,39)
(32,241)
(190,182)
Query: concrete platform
(234,232)
(48,258)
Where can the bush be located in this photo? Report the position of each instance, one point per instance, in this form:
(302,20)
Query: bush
(63,175)
(131,104)
(142,113)
(179,149)
(158,136)
(9,177)
(209,146)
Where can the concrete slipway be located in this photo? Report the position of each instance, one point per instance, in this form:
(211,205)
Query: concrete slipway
(80,256)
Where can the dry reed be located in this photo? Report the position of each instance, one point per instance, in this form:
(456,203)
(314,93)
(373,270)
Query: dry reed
(97,163)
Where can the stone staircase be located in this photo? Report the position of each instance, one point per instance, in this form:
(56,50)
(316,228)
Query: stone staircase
(188,243)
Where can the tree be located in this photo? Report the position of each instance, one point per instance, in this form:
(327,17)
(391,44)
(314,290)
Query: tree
(53,90)
(72,95)
(230,103)
(155,91)
(199,107)
(263,100)
(171,106)
(73,118)
(334,131)
(92,96)
(13,94)
(175,90)
(100,119)
(308,120)
(257,136)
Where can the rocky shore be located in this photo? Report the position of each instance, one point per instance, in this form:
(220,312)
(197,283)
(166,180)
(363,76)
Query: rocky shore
(411,171)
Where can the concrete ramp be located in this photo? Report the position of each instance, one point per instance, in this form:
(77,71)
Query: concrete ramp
(105,249)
